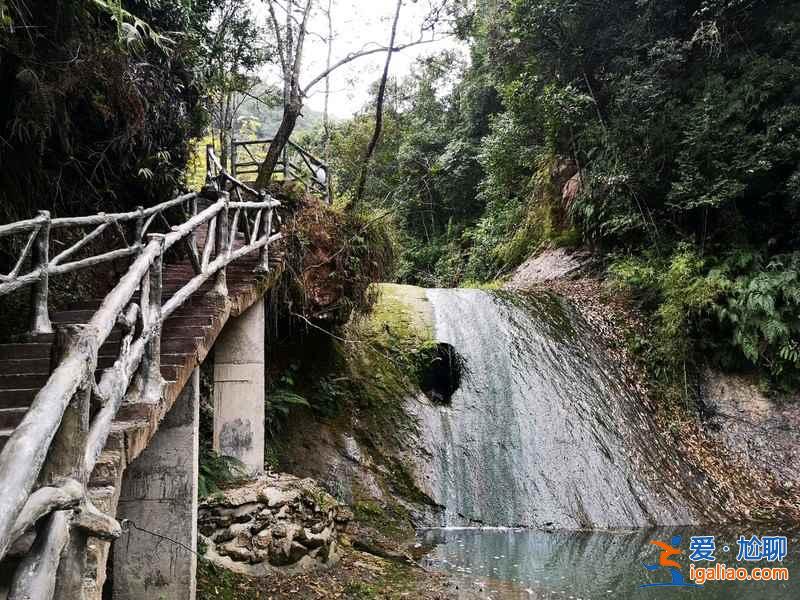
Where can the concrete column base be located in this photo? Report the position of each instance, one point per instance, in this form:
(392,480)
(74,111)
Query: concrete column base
(239,389)
(159,494)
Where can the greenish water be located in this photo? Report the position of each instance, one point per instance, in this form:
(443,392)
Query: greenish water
(511,564)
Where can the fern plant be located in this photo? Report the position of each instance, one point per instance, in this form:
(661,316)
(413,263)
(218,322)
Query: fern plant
(216,469)
(282,397)
(762,310)
(131,30)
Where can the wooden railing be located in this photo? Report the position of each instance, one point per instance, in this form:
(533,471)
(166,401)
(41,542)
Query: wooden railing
(296,163)
(46,463)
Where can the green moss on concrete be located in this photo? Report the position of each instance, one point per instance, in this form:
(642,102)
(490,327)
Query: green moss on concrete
(358,385)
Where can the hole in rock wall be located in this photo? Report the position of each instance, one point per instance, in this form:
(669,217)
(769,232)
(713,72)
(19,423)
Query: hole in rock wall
(441,374)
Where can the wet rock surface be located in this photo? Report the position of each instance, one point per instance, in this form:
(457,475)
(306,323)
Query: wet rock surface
(759,430)
(543,431)
(276,521)
(548,265)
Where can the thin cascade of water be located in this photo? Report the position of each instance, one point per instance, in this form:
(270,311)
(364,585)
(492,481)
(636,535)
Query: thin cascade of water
(541,431)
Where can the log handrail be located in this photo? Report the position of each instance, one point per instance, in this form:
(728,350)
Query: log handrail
(34,483)
(313,172)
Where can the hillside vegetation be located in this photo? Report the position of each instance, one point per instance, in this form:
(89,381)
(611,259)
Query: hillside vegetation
(661,135)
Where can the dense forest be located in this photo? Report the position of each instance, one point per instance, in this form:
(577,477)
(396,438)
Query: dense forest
(330,364)
(661,135)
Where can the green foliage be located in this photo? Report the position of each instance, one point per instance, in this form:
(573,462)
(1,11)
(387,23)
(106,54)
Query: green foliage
(741,308)
(131,30)
(282,398)
(760,311)
(682,122)
(679,293)
(96,112)
(216,470)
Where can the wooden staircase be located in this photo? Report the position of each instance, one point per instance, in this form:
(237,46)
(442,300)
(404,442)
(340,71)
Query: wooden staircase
(187,337)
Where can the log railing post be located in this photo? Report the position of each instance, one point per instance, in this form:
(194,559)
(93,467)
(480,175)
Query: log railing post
(139,227)
(263,259)
(151,309)
(40,316)
(65,460)
(234,147)
(221,246)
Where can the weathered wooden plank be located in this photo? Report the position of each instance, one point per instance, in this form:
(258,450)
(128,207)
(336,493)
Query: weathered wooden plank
(99,219)
(21,260)
(91,261)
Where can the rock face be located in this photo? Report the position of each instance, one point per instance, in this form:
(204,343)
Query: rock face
(546,266)
(757,430)
(277,521)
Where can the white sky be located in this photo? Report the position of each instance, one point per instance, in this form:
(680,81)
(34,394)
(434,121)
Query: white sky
(357,23)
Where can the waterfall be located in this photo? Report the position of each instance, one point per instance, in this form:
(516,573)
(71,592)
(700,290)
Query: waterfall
(542,430)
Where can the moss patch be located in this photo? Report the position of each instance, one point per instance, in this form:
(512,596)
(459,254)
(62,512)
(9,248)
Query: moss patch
(357,384)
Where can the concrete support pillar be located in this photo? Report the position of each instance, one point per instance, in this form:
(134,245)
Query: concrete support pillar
(159,494)
(239,389)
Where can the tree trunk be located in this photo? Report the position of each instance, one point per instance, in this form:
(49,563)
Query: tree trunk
(326,125)
(290,115)
(362,177)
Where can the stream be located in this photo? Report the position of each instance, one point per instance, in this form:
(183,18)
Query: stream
(511,564)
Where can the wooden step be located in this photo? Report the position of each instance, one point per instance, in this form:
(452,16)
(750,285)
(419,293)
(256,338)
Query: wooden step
(176,359)
(103,498)
(193,331)
(180,344)
(190,320)
(20,351)
(17,398)
(11,417)
(73,316)
(106,470)
(25,365)
(15,381)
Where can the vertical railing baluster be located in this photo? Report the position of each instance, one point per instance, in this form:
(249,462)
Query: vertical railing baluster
(211,175)
(151,307)
(233,157)
(40,255)
(221,246)
(191,239)
(65,457)
(263,258)
(139,227)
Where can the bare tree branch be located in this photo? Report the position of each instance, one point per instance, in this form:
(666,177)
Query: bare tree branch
(376,133)
(356,55)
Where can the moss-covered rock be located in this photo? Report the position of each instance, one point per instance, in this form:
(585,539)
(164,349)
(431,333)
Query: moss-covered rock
(357,436)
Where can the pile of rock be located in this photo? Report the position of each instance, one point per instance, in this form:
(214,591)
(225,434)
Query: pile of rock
(277,521)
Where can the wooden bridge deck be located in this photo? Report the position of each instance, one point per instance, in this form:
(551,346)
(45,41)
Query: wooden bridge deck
(187,336)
